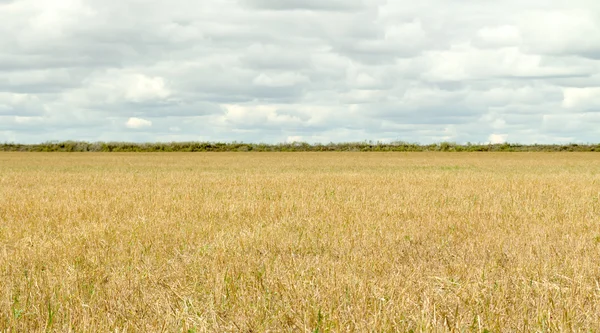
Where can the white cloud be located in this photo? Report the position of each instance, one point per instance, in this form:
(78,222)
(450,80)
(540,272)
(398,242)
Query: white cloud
(497,138)
(140,88)
(567,31)
(29,120)
(585,98)
(279,79)
(265,70)
(117,86)
(137,123)
(465,62)
(331,5)
(500,36)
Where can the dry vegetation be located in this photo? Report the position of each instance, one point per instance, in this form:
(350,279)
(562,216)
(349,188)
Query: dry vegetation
(299,242)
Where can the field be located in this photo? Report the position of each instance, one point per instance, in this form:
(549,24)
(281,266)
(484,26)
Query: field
(299,242)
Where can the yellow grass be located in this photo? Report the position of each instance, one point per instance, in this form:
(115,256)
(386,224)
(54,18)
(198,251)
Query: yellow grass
(301,242)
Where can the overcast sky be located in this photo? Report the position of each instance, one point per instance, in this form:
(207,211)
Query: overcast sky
(425,71)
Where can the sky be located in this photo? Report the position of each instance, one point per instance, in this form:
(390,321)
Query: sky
(300,70)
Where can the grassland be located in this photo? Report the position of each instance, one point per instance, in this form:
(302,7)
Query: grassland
(299,242)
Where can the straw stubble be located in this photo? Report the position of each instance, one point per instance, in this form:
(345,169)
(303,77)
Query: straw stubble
(299,242)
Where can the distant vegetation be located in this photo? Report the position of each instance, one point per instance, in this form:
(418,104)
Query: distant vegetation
(79,146)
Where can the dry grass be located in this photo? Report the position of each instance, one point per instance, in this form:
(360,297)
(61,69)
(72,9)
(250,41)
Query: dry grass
(302,242)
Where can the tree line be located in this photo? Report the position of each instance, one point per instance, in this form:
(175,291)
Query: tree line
(398,146)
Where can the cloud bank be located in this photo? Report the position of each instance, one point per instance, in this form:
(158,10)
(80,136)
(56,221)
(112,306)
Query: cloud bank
(315,71)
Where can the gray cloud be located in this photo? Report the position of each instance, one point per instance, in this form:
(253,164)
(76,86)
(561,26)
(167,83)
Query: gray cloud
(319,71)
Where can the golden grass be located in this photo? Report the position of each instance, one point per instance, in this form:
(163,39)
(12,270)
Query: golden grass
(301,242)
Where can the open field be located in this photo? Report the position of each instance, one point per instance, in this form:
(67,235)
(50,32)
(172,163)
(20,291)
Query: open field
(299,242)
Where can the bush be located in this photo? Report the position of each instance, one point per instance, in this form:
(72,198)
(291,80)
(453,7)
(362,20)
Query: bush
(398,146)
